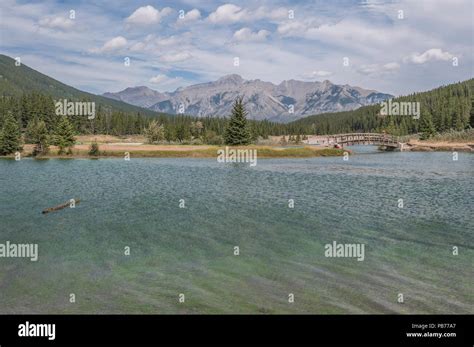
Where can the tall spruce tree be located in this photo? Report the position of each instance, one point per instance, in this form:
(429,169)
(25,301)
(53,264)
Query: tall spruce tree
(10,136)
(427,127)
(37,133)
(237,131)
(471,115)
(64,135)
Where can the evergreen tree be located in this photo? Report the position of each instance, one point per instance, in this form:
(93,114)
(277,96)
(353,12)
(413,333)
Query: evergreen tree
(237,131)
(169,133)
(10,136)
(37,133)
(182,132)
(391,129)
(427,127)
(471,119)
(211,138)
(64,135)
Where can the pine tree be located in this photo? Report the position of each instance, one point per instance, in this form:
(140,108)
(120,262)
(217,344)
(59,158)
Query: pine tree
(237,131)
(37,133)
(64,135)
(427,127)
(169,133)
(182,132)
(471,119)
(10,136)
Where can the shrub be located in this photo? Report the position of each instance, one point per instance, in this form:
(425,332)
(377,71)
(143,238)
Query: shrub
(94,149)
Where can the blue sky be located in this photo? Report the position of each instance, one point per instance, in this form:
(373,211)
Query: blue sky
(396,47)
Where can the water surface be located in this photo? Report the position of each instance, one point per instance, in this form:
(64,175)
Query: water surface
(190,250)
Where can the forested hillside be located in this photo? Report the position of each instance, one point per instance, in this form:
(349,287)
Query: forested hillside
(19,80)
(442,109)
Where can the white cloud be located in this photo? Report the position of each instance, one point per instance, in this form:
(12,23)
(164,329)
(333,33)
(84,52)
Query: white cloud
(138,47)
(393,66)
(355,35)
(370,69)
(56,23)
(429,55)
(147,15)
(162,82)
(158,79)
(189,16)
(155,45)
(367,36)
(292,28)
(175,57)
(317,74)
(245,34)
(269,13)
(227,13)
(230,13)
(112,45)
(173,40)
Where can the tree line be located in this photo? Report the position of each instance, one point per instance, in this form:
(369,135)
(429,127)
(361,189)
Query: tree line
(32,118)
(445,108)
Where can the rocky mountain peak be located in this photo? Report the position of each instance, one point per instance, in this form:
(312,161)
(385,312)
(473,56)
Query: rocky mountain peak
(232,78)
(264,100)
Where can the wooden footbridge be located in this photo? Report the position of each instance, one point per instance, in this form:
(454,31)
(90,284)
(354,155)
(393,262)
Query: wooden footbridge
(385,140)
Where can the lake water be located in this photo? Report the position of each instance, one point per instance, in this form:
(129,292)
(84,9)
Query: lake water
(190,250)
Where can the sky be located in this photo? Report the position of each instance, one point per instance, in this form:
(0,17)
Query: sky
(396,47)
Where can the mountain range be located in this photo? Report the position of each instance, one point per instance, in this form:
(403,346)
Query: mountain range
(264,100)
(285,102)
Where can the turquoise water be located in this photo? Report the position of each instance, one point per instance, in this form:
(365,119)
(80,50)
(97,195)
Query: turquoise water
(190,250)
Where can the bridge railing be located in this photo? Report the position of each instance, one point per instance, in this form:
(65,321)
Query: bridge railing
(364,137)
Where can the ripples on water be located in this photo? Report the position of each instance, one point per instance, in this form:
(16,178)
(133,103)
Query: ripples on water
(190,250)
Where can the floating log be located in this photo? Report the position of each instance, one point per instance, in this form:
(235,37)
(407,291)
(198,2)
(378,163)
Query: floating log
(60,207)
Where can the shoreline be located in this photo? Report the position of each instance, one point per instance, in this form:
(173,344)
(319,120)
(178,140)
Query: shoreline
(118,149)
(438,146)
(171,151)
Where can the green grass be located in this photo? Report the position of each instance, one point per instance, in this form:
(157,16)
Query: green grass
(262,152)
(453,135)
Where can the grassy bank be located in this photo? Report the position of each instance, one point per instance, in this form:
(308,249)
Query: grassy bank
(439,146)
(264,152)
(163,151)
